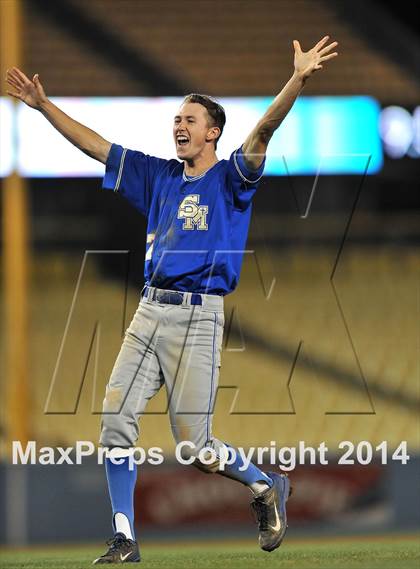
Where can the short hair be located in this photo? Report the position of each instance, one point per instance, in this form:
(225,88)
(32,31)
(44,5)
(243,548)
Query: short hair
(214,109)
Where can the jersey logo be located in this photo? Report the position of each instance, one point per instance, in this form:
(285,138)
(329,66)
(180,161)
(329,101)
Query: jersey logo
(194,215)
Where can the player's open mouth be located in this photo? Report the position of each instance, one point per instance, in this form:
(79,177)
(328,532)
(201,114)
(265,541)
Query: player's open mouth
(182,140)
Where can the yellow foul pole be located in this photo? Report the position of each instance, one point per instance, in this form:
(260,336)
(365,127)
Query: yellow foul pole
(15,254)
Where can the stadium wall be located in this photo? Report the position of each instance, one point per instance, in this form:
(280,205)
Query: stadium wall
(68,503)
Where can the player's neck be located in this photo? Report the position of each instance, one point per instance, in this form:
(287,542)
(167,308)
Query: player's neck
(199,165)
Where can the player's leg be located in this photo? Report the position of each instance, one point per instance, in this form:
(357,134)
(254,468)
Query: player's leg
(190,360)
(190,363)
(191,351)
(135,379)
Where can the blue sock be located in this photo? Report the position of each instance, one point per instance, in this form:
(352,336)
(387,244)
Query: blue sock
(249,476)
(121,484)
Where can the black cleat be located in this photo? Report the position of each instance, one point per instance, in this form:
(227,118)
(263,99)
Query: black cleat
(270,510)
(121,550)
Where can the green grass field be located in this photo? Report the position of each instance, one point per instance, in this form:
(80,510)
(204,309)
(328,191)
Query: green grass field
(393,552)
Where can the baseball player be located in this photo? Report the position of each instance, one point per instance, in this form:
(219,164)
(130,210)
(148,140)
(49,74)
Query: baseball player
(198,210)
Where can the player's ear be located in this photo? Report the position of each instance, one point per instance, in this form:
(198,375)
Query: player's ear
(213,133)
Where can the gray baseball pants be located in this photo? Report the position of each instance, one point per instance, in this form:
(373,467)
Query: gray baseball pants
(178,346)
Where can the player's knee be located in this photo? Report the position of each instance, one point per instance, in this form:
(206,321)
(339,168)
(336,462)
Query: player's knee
(113,400)
(110,421)
(117,432)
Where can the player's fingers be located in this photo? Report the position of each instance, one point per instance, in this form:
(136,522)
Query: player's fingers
(15,76)
(8,77)
(11,81)
(10,72)
(21,75)
(321,42)
(319,66)
(14,86)
(297,47)
(328,48)
(15,95)
(330,56)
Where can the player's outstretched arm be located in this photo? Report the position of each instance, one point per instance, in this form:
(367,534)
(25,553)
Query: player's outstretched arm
(305,63)
(33,94)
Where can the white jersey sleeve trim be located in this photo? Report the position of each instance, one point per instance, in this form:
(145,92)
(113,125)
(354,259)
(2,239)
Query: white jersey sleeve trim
(235,160)
(120,171)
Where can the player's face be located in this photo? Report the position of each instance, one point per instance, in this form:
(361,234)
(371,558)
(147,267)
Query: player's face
(192,132)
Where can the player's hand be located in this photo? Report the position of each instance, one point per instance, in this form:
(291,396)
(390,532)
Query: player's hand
(30,92)
(307,62)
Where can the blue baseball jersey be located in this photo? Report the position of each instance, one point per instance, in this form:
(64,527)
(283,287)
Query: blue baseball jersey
(196,226)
